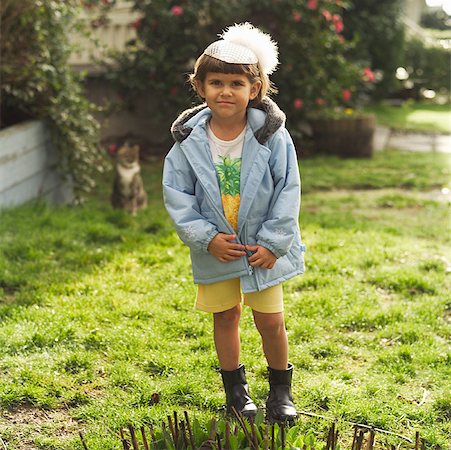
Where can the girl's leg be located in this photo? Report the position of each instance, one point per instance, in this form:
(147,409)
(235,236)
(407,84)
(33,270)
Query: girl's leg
(271,327)
(279,405)
(227,337)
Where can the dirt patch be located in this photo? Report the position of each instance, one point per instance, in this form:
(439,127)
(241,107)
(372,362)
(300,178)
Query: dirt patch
(21,426)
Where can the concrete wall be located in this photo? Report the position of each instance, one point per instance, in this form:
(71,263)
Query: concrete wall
(113,35)
(28,166)
(139,123)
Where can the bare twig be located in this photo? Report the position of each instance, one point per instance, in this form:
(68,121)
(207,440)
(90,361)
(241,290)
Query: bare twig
(354,438)
(152,433)
(124,440)
(190,431)
(227,435)
(282,431)
(172,429)
(371,438)
(330,437)
(4,447)
(183,431)
(133,436)
(82,440)
(243,426)
(360,425)
(417,440)
(212,430)
(335,440)
(143,434)
(176,428)
(254,432)
(218,440)
(359,441)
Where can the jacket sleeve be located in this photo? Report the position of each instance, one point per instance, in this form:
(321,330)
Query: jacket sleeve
(181,202)
(281,225)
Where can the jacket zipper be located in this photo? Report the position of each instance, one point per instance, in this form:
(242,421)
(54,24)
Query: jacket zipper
(250,269)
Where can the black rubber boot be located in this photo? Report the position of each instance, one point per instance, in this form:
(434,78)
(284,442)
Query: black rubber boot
(280,406)
(237,392)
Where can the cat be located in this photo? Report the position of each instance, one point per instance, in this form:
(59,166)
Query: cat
(128,188)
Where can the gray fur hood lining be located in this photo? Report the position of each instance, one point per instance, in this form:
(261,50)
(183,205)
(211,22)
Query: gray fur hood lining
(275,118)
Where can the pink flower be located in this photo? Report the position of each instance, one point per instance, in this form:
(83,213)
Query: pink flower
(177,10)
(137,23)
(112,149)
(368,75)
(346,95)
(312,4)
(296,16)
(327,15)
(338,27)
(298,103)
(341,38)
(338,23)
(320,101)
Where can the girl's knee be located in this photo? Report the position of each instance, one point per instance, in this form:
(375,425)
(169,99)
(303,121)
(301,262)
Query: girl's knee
(228,318)
(272,323)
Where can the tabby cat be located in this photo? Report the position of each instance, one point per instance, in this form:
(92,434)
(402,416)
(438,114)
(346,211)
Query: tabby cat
(128,189)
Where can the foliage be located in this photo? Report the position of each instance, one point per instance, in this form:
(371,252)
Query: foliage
(237,434)
(38,83)
(314,73)
(96,311)
(379,35)
(413,116)
(428,66)
(437,19)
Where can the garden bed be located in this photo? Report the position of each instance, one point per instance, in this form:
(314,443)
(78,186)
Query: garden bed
(28,166)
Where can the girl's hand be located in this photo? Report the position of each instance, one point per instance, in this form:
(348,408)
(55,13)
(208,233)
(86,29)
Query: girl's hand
(262,257)
(223,249)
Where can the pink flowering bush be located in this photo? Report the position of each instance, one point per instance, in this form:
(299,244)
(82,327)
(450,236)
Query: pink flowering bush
(315,76)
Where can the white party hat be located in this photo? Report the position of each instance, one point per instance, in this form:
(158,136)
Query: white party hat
(245,44)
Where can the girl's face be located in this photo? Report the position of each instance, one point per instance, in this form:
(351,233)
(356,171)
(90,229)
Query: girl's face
(227,95)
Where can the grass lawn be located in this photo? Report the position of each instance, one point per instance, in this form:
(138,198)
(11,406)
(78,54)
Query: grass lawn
(414,116)
(96,312)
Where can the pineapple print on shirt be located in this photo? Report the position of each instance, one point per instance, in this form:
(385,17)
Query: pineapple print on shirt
(229,170)
(227,160)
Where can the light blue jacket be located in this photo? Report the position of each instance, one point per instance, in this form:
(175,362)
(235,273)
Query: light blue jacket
(269,197)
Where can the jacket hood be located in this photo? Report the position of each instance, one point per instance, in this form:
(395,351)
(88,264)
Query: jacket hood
(265,119)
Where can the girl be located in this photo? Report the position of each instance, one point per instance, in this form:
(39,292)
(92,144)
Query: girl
(231,185)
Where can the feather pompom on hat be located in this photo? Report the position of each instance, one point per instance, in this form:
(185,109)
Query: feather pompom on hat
(244,44)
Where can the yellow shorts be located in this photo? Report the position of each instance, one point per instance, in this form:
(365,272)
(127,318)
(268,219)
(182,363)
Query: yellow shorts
(224,295)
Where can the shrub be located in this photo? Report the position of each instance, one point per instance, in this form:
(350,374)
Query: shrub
(38,83)
(379,35)
(428,66)
(314,73)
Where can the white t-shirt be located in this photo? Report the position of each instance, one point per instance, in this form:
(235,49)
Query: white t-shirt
(220,149)
(227,160)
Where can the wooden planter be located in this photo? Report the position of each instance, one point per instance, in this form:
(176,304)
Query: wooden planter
(346,137)
(28,166)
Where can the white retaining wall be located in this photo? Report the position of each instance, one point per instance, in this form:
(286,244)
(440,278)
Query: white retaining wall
(28,166)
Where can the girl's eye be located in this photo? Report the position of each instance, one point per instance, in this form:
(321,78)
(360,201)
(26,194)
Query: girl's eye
(215,82)
(238,83)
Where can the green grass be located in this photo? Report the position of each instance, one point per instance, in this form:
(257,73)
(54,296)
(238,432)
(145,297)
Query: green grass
(411,116)
(96,311)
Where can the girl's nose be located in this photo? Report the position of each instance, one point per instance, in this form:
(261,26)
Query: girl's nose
(226,90)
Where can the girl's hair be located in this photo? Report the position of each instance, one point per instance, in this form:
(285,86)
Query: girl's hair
(205,64)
